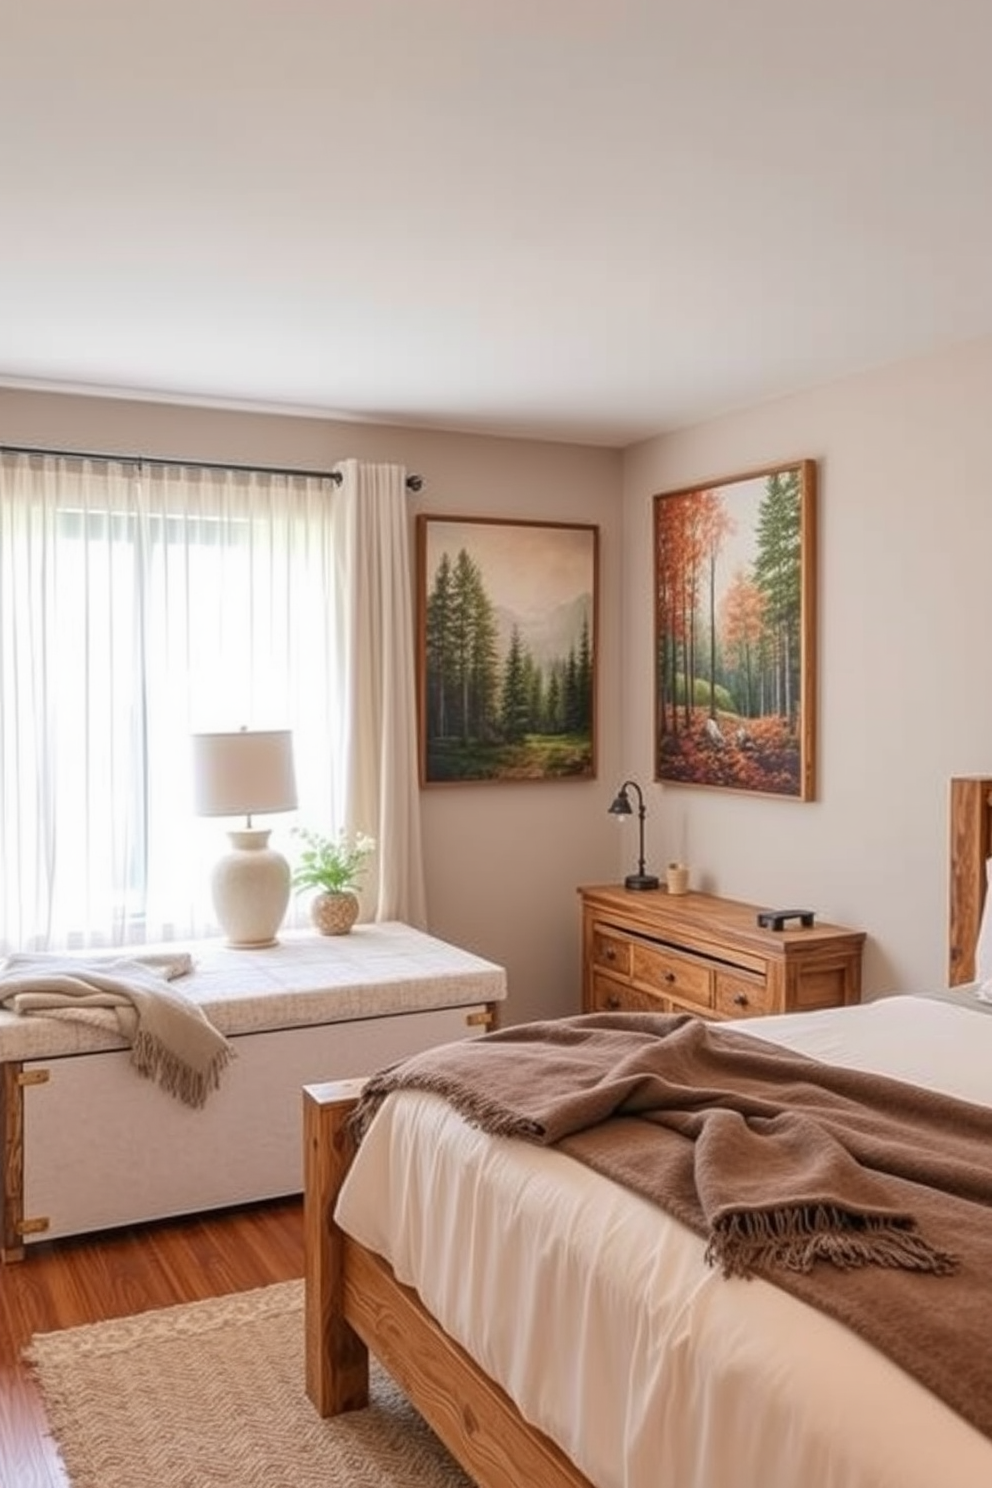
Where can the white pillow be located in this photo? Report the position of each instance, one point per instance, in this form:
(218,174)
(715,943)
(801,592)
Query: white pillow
(983,951)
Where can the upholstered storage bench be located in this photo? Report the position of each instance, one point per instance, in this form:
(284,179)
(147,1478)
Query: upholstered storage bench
(89,1144)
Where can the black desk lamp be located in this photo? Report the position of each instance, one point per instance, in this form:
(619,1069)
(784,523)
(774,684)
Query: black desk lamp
(622,807)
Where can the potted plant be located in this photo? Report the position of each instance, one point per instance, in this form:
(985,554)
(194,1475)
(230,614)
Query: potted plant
(334,866)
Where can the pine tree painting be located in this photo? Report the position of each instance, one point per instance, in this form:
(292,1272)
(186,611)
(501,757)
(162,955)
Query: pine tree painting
(506,619)
(735,633)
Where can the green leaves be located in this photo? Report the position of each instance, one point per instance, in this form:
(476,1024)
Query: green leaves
(333,864)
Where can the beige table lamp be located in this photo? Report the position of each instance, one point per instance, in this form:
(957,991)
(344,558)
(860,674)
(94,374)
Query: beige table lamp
(248,773)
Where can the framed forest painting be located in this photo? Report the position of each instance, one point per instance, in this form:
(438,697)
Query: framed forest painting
(506,622)
(735,633)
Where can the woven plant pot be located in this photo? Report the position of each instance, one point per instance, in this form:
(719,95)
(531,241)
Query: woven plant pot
(334,914)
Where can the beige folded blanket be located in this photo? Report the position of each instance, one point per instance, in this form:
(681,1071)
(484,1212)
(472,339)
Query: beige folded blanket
(172,1041)
(781,1163)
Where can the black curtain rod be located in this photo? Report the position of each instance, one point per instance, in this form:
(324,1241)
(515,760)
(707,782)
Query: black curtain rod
(413,482)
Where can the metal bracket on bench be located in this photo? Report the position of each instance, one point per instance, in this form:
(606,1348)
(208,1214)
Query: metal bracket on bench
(34,1077)
(33,1226)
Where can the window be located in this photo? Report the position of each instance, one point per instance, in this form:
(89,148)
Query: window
(139,603)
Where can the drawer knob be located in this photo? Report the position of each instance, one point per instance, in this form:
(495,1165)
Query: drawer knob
(611,954)
(669,976)
(613,1002)
(740,999)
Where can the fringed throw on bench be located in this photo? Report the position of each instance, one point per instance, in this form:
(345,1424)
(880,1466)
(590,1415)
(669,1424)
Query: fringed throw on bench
(172,1041)
(781,1163)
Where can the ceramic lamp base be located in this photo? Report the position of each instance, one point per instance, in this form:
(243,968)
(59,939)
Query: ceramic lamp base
(250,887)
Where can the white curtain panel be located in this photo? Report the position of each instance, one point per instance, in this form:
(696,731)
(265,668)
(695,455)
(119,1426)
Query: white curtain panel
(140,603)
(377,742)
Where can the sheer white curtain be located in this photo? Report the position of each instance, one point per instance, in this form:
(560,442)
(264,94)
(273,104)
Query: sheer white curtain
(138,604)
(377,742)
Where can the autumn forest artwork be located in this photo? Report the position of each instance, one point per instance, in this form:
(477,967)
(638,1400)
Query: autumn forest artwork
(507,649)
(734,655)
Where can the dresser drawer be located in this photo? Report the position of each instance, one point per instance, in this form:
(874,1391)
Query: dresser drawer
(672,974)
(697,953)
(739,994)
(611,952)
(620,997)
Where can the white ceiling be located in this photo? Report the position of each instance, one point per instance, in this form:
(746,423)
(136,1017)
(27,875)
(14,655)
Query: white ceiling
(564,218)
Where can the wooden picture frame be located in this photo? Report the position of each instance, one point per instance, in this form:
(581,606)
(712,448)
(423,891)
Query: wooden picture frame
(735,633)
(506,649)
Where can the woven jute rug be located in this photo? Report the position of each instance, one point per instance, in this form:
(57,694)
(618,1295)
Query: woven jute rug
(212,1394)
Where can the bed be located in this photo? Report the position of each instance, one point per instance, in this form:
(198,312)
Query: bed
(89,1145)
(436,1250)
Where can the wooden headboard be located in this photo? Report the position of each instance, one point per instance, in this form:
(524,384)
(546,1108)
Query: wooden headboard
(970,846)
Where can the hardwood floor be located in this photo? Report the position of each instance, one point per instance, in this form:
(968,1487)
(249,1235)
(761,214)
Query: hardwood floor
(64,1283)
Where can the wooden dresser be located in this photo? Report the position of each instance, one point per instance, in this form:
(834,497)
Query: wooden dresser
(650,951)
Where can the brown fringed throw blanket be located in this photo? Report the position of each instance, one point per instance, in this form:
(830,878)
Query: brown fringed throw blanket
(172,1040)
(869,1198)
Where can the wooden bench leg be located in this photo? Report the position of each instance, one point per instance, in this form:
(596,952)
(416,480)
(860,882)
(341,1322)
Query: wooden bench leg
(12,1118)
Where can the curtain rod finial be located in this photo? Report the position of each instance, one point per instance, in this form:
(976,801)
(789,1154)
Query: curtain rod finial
(413,482)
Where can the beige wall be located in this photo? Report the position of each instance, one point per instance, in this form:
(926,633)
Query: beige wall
(905,533)
(905,537)
(503,861)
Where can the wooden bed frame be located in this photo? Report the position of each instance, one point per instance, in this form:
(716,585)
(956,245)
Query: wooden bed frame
(354,1302)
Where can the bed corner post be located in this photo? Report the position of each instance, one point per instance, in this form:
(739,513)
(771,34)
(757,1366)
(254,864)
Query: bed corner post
(337,1361)
(970,846)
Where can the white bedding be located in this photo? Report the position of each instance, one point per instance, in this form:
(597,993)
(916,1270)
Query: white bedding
(598,1315)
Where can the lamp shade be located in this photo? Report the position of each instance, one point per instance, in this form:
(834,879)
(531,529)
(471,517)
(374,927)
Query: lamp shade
(244,773)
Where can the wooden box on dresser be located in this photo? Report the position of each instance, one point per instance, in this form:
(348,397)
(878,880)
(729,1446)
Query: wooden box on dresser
(651,951)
